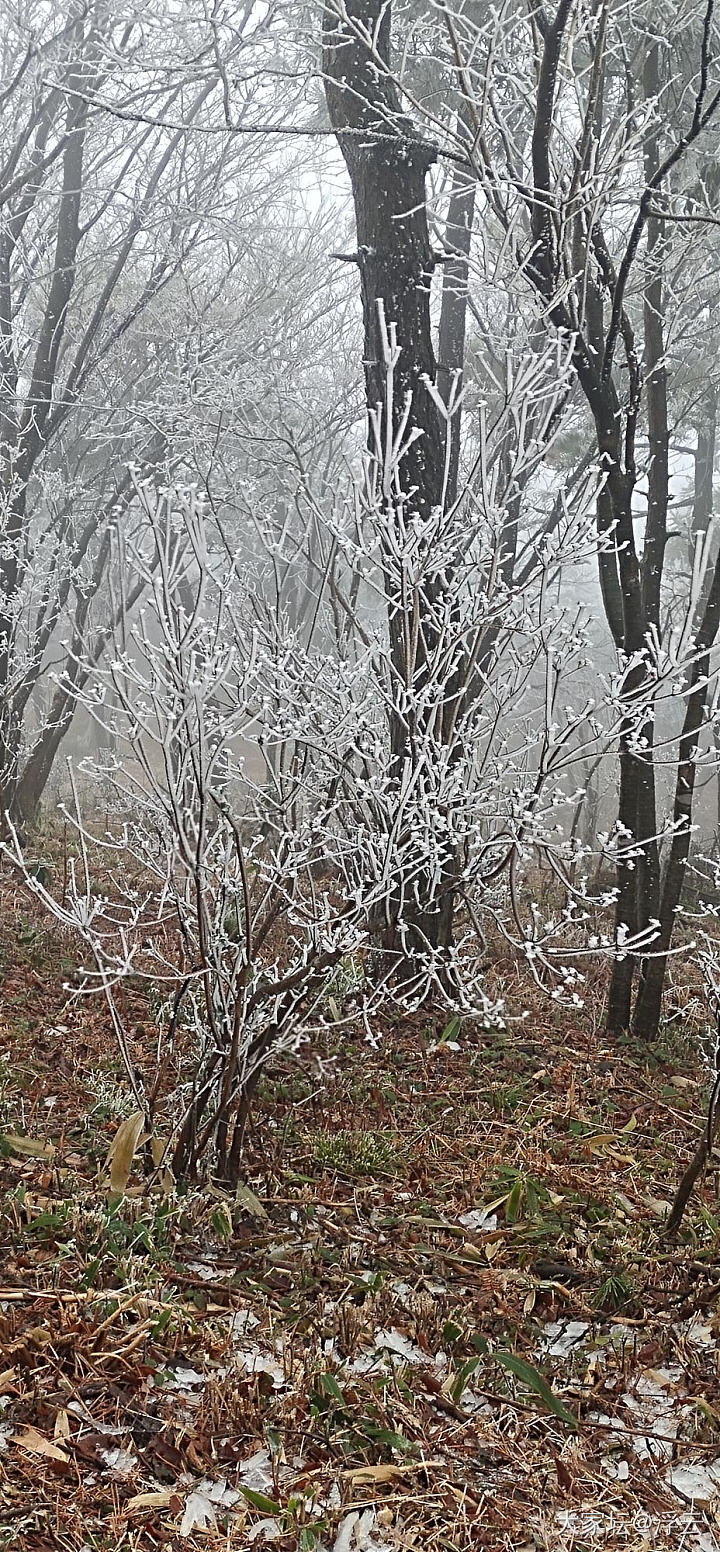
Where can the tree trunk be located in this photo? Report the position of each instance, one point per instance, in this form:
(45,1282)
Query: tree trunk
(637,809)
(387,161)
(648,1007)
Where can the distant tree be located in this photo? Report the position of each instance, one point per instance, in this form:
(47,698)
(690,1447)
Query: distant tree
(130,217)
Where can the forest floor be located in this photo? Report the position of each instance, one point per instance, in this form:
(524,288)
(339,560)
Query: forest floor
(444,1316)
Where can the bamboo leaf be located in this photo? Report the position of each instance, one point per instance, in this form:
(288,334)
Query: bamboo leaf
(330,1387)
(514,1202)
(536,1382)
(122,1151)
(28,1147)
(248,1202)
(259,1501)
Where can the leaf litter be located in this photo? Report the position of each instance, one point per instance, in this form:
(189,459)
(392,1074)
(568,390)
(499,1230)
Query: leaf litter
(485,1344)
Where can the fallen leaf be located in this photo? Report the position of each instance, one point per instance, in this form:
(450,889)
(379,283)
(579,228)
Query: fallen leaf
(629,1125)
(387,1473)
(656,1205)
(122,1151)
(28,1147)
(150,1501)
(158,1148)
(248,1202)
(36,1444)
(536,1382)
(604,1143)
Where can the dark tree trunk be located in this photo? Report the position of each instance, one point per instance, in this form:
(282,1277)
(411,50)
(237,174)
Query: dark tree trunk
(648,1007)
(388,161)
(637,809)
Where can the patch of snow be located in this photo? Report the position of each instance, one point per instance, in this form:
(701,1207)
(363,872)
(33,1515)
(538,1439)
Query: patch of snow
(331,1500)
(355,1531)
(219,1492)
(183,1379)
(198,1514)
(604,1420)
(479,1220)
(209,1274)
(653,1413)
(367,1363)
(257,1362)
(202,1502)
(561,1337)
(256,1472)
(243,1320)
(263,1530)
(79,1409)
(119,1461)
(475,1404)
(399,1346)
(704,1541)
(698,1332)
(695,1483)
(622,1334)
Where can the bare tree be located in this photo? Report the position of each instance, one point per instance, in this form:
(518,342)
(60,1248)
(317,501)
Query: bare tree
(118,192)
(586,148)
(388,160)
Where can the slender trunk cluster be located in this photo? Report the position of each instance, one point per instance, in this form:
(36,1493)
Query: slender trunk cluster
(596,317)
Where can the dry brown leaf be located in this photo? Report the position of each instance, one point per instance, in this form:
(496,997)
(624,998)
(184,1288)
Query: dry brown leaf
(248,1202)
(36,1444)
(160,1500)
(38,1336)
(122,1151)
(157,1149)
(604,1143)
(7,1381)
(62,1425)
(656,1204)
(387,1473)
(28,1147)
